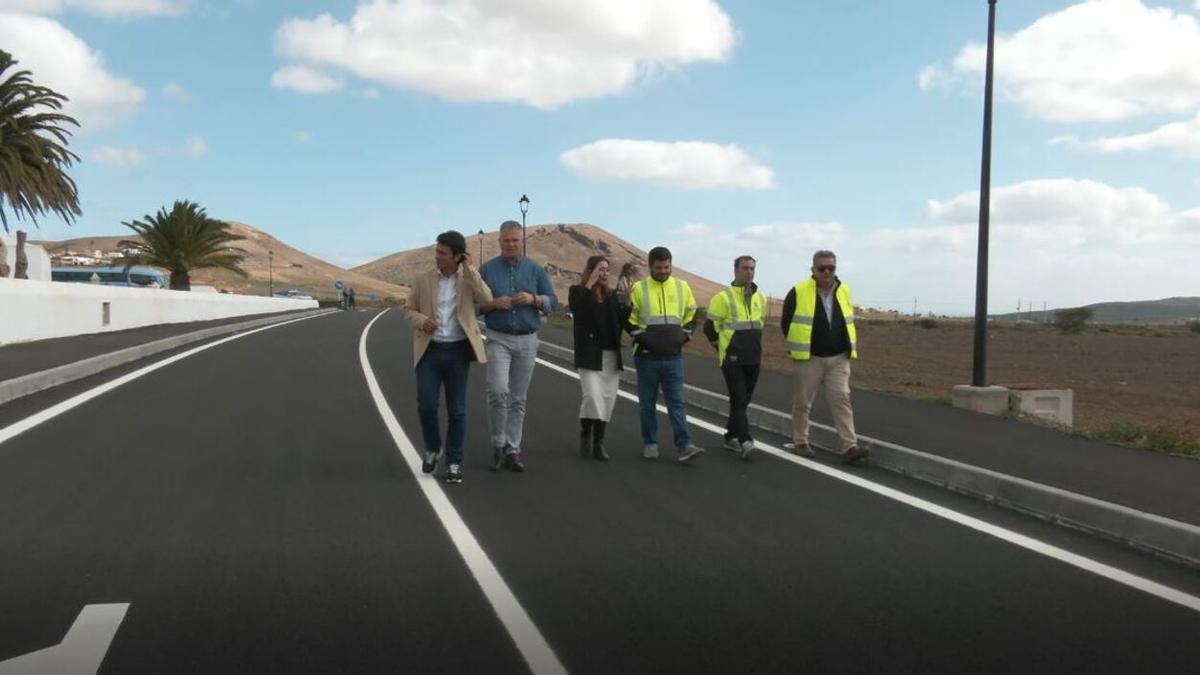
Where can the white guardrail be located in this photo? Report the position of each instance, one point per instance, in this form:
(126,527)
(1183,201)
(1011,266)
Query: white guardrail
(37,310)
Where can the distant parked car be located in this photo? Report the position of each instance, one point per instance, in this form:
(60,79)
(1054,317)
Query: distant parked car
(293,294)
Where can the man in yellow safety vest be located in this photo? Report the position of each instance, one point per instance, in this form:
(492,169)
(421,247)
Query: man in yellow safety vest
(734,327)
(818,324)
(661,322)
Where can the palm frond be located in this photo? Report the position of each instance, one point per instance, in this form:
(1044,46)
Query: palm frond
(34,156)
(181,240)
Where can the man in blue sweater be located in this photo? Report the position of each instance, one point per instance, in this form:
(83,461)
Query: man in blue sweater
(521,293)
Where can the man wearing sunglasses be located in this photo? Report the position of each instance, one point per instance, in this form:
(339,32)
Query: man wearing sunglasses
(818,324)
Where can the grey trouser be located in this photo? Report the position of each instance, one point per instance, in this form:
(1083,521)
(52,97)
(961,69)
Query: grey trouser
(510,363)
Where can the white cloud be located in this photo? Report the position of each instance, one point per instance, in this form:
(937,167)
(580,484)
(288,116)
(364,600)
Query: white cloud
(689,164)
(1182,138)
(305,137)
(121,157)
(305,80)
(121,8)
(1097,60)
(195,146)
(177,92)
(544,53)
(1065,212)
(60,60)
(1065,241)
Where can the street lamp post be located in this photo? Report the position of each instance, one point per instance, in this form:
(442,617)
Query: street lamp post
(271,273)
(480,261)
(979,368)
(524,204)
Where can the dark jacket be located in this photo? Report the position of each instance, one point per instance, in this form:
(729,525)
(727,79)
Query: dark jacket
(595,323)
(829,336)
(745,347)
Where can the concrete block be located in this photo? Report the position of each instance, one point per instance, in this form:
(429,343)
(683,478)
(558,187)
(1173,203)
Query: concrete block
(1054,406)
(991,400)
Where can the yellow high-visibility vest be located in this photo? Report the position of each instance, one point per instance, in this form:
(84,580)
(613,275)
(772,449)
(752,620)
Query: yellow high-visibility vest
(799,337)
(654,303)
(730,313)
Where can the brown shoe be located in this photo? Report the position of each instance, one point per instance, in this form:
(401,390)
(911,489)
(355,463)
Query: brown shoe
(853,455)
(803,450)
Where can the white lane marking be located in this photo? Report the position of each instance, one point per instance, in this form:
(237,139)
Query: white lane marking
(1037,546)
(529,641)
(81,650)
(53,411)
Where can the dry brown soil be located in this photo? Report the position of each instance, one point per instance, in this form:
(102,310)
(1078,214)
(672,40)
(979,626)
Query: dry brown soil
(1147,376)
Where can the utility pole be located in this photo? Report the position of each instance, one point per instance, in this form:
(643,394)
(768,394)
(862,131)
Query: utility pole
(979,365)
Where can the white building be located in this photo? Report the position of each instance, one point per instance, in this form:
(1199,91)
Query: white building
(39,260)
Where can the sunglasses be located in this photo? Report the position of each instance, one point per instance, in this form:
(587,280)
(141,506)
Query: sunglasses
(826,268)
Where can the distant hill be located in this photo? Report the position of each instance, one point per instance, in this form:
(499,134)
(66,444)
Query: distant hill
(292,269)
(1164,311)
(562,248)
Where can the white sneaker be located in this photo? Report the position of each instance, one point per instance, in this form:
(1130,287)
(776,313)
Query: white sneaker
(689,453)
(747,449)
(732,444)
(650,451)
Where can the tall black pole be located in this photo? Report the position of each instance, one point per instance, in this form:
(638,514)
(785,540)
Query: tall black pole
(480,261)
(271,273)
(523,202)
(979,371)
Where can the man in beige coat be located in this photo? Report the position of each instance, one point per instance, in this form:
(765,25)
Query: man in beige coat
(442,307)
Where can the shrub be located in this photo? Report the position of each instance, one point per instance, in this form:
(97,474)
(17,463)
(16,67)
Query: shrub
(927,323)
(1194,326)
(1157,438)
(1072,320)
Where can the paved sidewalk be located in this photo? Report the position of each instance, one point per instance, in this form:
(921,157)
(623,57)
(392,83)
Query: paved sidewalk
(24,358)
(1159,484)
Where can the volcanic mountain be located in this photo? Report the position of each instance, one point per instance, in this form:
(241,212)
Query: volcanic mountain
(563,249)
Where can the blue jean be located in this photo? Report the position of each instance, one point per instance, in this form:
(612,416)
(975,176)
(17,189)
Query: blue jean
(653,373)
(444,365)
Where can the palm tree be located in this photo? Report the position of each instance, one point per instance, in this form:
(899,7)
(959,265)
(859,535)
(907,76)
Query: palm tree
(33,149)
(182,240)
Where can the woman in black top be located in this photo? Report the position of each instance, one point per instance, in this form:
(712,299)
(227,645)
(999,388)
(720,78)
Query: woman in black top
(598,318)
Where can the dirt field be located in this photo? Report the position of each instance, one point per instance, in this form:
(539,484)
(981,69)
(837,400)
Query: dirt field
(1145,376)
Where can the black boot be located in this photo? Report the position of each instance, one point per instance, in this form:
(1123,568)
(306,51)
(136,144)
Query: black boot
(598,440)
(585,436)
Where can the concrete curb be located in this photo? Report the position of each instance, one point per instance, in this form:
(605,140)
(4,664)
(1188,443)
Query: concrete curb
(35,382)
(1155,534)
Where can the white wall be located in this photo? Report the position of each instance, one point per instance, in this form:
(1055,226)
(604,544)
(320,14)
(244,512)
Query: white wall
(36,310)
(39,260)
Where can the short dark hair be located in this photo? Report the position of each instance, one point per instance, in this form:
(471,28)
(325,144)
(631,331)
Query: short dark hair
(453,240)
(659,253)
(738,260)
(510,225)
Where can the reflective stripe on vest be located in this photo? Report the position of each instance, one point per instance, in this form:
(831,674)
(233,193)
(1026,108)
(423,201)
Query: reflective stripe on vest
(732,322)
(648,318)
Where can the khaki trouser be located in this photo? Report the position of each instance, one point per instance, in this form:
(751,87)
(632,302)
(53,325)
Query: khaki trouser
(807,378)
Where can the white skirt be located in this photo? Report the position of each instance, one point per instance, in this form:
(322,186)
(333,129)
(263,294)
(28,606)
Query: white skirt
(600,388)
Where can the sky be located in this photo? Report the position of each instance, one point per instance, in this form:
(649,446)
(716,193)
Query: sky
(772,128)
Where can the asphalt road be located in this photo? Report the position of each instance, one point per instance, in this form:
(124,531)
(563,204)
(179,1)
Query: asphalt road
(250,505)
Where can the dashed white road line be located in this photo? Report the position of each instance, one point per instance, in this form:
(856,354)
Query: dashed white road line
(529,641)
(1029,543)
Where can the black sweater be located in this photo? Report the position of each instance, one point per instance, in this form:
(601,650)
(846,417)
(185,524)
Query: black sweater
(597,327)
